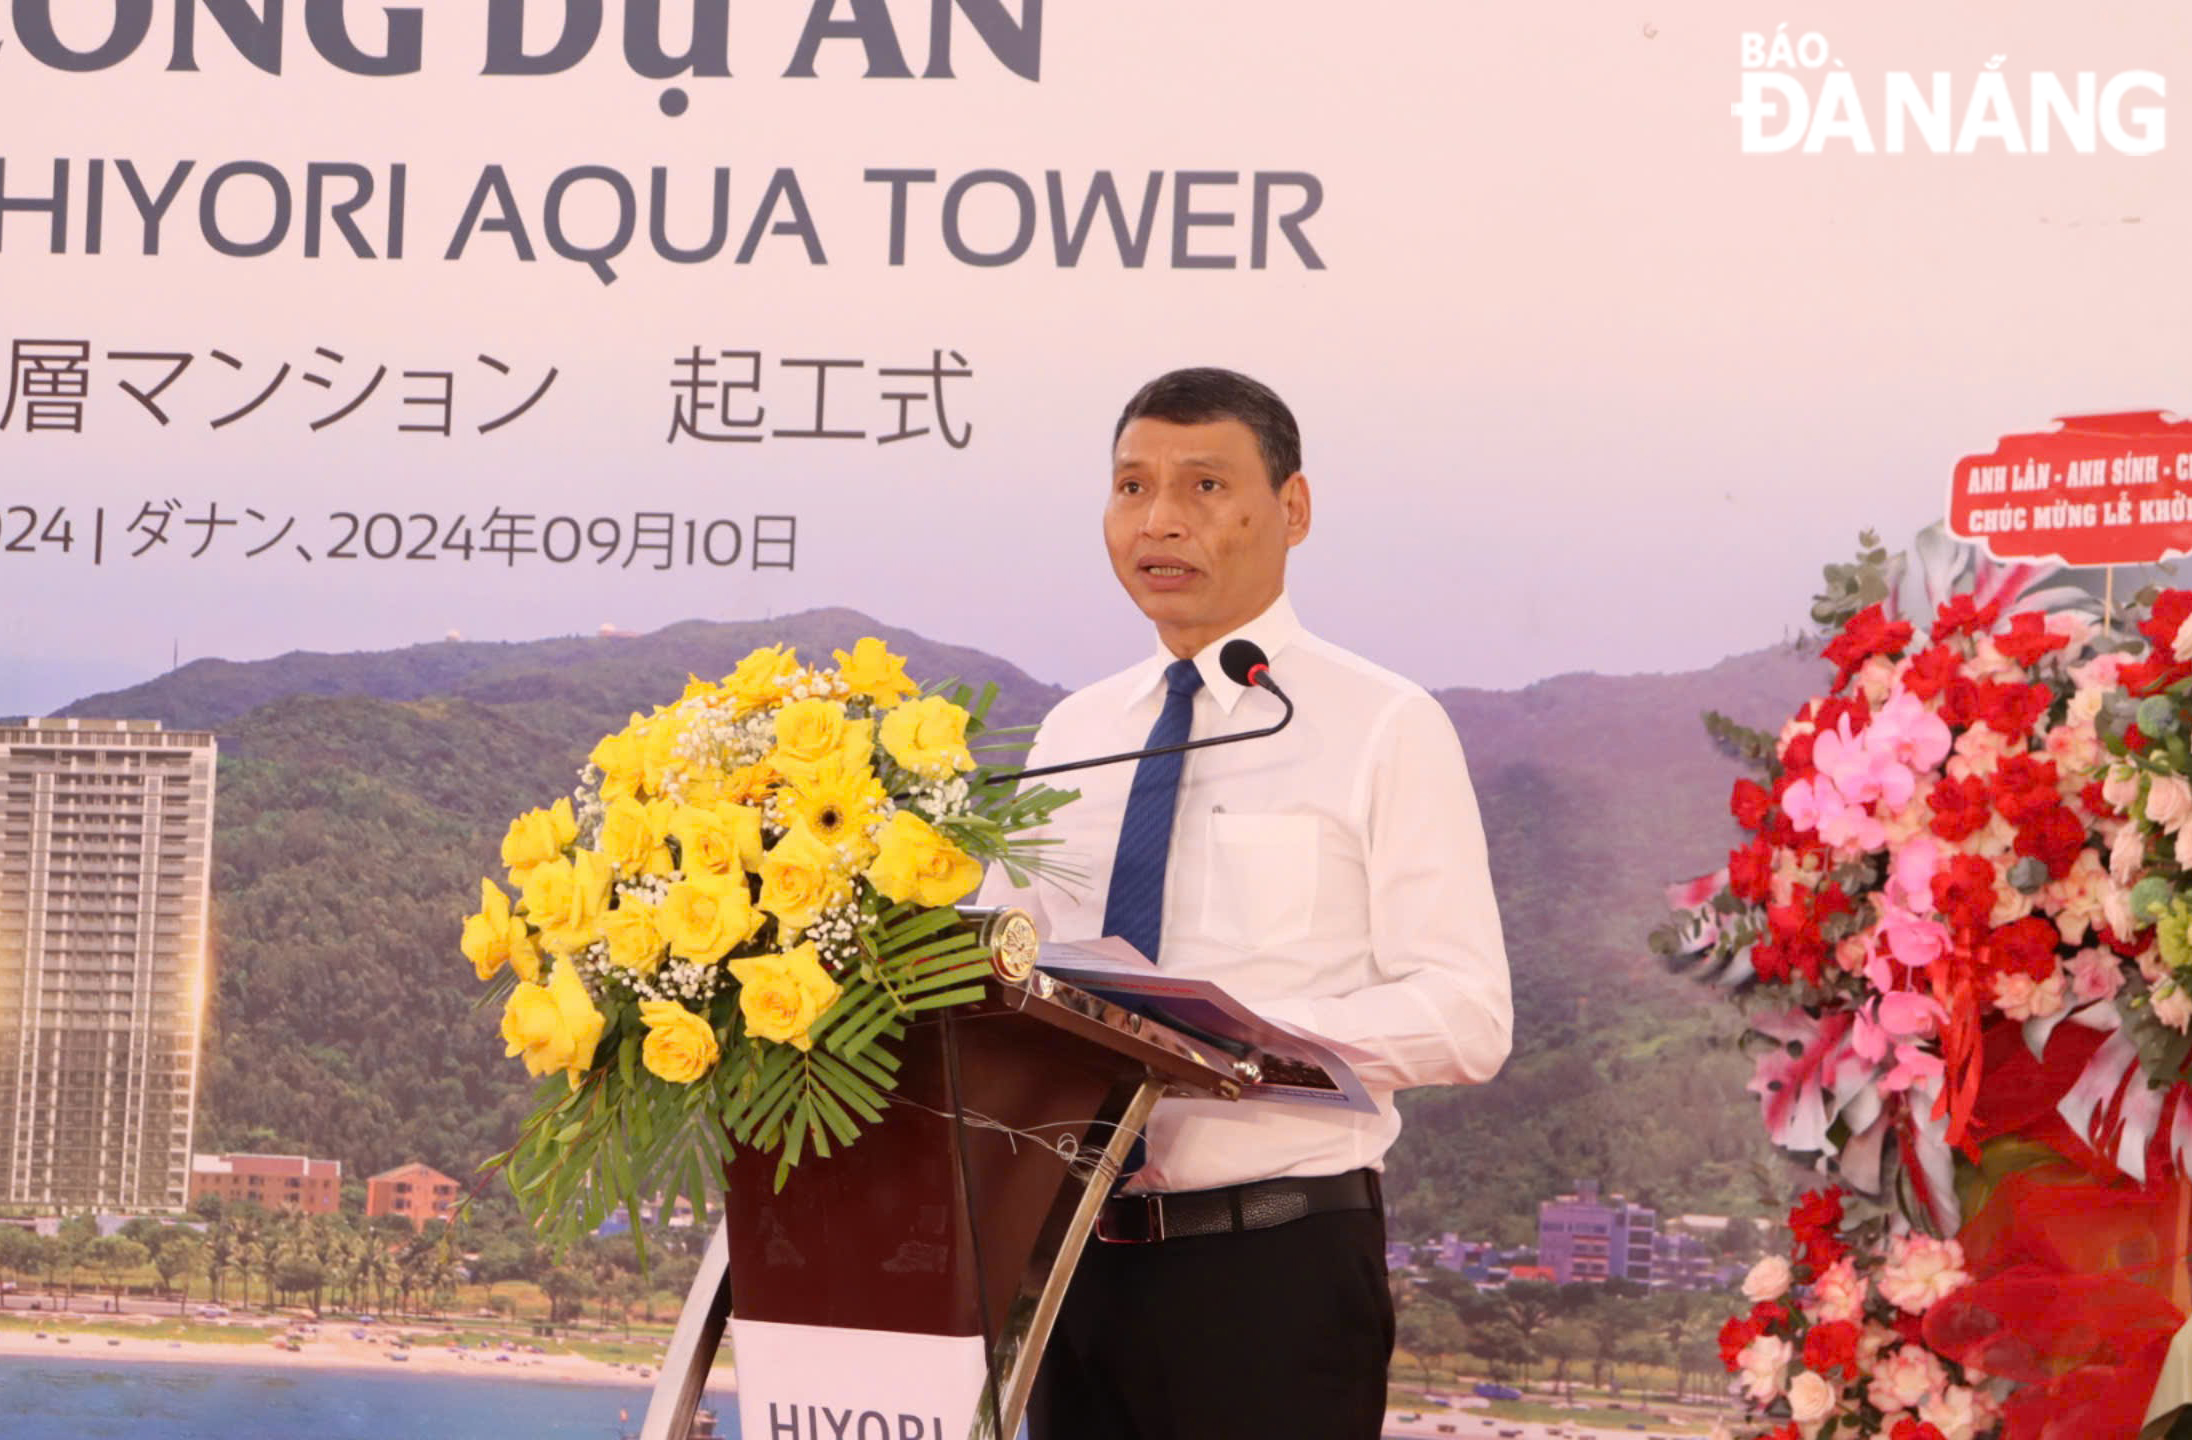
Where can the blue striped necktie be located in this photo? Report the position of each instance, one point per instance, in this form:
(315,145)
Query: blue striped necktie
(1134,909)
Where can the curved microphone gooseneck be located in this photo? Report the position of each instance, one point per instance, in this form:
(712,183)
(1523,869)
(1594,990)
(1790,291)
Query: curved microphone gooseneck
(1243,662)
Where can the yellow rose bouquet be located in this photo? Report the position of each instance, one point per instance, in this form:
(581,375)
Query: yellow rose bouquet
(714,940)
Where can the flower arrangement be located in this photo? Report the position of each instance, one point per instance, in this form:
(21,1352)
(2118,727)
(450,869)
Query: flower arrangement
(1833,1342)
(714,940)
(1926,855)
(2145,1003)
(1962,923)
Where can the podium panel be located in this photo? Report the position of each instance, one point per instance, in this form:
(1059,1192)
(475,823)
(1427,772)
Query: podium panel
(795,1383)
(906,1283)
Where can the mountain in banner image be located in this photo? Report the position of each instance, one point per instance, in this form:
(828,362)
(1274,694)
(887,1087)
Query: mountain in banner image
(362,796)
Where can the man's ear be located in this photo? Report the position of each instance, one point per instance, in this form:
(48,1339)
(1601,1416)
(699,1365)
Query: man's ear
(1294,501)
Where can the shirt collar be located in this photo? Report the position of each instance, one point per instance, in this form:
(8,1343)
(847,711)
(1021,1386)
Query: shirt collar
(1275,629)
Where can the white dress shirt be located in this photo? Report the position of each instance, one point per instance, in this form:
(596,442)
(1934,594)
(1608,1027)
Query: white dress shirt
(1331,876)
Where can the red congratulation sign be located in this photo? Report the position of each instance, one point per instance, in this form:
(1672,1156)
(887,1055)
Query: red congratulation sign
(2095,490)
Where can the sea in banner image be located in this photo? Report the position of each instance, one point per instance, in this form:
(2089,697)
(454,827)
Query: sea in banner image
(97,1400)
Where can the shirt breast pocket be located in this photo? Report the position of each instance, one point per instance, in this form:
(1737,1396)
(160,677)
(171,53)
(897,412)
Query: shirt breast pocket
(1262,882)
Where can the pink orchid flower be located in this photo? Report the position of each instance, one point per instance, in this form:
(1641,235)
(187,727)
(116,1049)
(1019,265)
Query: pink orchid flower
(1912,1065)
(1859,771)
(1893,1019)
(1905,731)
(1911,940)
(1817,804)
(1910,875)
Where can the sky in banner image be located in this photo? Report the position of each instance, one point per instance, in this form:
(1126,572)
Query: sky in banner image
(1572,316)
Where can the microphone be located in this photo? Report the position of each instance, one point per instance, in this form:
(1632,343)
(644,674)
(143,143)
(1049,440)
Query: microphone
(1243,663)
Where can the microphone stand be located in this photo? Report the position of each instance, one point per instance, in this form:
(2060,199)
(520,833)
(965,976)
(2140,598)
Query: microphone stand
(1261,680)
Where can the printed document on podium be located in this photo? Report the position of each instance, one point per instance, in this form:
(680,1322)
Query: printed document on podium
(1298,1068)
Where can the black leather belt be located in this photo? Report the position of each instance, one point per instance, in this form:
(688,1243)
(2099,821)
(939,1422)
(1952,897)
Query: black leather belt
(1142,1219)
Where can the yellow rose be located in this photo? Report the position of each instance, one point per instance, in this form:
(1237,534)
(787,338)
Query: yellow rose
(704,917)
(537,837)
(929,737)
(566,900)
(622,763)
(680,1046)
(783,995)
(724,841)
(697,688)
(554,1026)
(810,732)
(632,832)
(914,863)
(836,803)
(659,758)
(634,936)
(495,937)
(872,670)
(713,789)
(761,678)
(800,878)
(750,784)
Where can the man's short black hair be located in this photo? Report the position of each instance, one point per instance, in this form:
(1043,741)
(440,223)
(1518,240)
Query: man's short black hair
(1200,395)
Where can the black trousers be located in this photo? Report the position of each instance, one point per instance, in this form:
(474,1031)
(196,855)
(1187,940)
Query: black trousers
(1284,1332)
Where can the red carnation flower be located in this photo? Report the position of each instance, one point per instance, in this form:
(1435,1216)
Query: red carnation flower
(1832,1346)
(2095,802)
(1770,961)
(1964,892)
(1750,872)
(2134,738)
(1749,804)
(2166,618)
(2022,947)
(1770,1315)
(2012,710)
(1959,616)
(2028,638)
(1851,708)
(1796,759)
(2024,787)
(1959,807)
(1868,633)
(2054,837)
(1910,1427)
(1816,1222)
(1932,671)
(1960,702)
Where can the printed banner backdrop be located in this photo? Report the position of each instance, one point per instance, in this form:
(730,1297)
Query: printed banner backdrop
(1553,335)
(342,328)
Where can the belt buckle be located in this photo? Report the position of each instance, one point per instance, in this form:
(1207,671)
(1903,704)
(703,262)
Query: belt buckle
(1150,1211)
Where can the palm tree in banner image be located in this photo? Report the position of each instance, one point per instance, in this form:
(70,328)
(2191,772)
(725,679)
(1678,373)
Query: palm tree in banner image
(376,1267)
(1677,1316)
(178,1260)
(342,1264)
(220,1255)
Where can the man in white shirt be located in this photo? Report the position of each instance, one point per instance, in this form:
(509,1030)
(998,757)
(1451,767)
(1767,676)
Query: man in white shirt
(1332,876)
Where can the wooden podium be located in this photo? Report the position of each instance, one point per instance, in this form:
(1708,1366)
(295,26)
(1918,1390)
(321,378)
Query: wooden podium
(904,1287)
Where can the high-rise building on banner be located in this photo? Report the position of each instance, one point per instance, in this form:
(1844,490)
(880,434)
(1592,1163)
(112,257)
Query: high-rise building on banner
(106,833)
